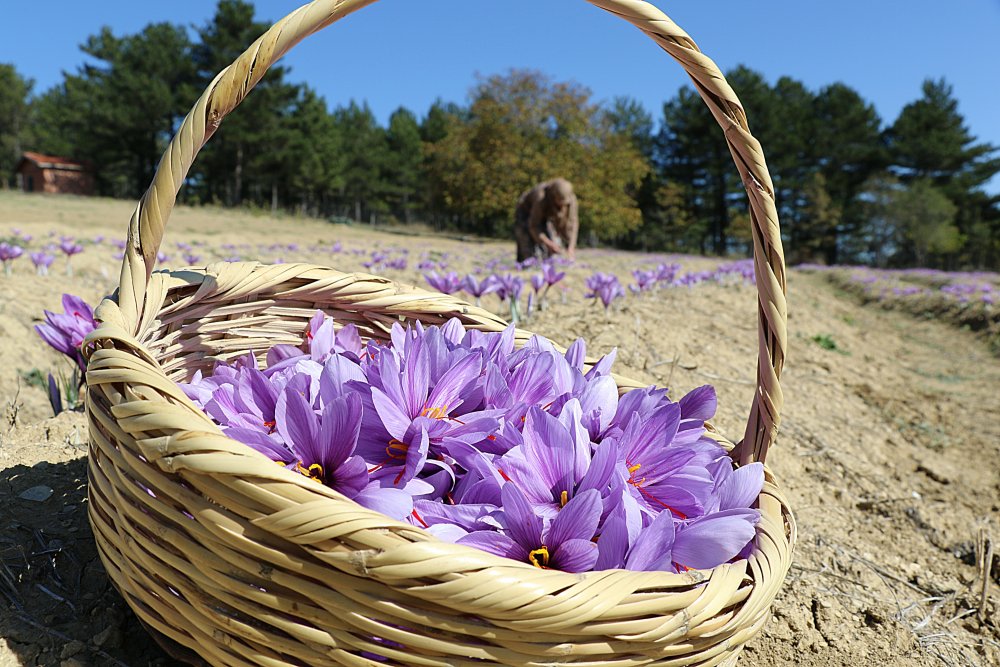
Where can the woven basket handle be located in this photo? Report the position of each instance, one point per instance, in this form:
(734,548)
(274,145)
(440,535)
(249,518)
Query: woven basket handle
(147,225)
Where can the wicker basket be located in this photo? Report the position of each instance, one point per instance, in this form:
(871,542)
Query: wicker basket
(233,560)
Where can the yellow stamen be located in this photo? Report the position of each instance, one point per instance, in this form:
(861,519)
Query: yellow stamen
(435,413)
(563,498)
(632,469)
(313,472)
(542,553)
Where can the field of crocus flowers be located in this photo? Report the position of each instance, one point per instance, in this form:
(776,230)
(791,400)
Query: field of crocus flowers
(888,447)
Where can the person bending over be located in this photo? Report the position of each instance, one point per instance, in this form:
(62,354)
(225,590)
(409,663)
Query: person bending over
(545,221)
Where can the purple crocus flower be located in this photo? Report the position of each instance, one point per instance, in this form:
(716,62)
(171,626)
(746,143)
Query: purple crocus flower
(603,286)
(668,467)
(449,283)
(477,288)
(538,282)
(564,544)
(42,262)
(509,287)
(9,253)
(551,274)
(554,464)
(322,447)
(65,331)
(644,281)
(69,248)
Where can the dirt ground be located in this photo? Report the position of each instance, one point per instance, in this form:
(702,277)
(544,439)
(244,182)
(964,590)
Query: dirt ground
(888,450)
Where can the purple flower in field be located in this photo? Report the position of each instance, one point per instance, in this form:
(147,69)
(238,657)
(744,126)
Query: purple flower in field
(449,283)
(162,257)
(538,282)
(603,286)
(70,247)
(565,544)
(551,275)
(644,281)
(477,288)
(665,273)
(191,259)
(65,331)
(9,253)
(42,262)
(509,287)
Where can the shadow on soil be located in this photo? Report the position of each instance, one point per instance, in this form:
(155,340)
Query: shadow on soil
(59,606)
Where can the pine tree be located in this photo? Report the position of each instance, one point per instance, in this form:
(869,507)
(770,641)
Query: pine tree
(365,150)
(402,173)
(15,94)
(849,150)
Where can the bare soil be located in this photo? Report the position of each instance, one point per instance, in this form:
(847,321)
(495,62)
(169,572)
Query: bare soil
(888,450)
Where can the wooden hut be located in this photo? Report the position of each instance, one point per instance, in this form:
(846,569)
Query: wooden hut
(54,175)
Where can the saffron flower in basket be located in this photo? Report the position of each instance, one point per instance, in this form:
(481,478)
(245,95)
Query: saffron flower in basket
(527,454)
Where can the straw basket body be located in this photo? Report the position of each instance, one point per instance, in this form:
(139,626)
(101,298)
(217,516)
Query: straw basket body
(232,560)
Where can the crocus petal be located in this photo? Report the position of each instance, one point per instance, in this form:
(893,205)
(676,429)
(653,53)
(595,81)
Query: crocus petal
(699,403)
(267,446)
(652,550)
(522,524)
(575,556)
(348,340)
(602,466)
(337,372)
(350,477)
(613,544)
(602,367)
(339,429)
(548,445)
(394,503)
(577,520)
(576,353)
(495,543)
(297,424)
(392,416)
(742,487)
(714,539)
(452,385)
(601,395)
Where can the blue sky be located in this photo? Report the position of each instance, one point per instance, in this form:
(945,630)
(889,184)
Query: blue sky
(409,52)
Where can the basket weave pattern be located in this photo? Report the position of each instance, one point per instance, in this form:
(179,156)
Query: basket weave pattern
(244,563)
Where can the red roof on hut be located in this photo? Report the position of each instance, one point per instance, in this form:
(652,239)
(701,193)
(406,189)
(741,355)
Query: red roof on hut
(53,174)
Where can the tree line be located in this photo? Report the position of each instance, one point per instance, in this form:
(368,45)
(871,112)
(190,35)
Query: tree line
(850,187)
